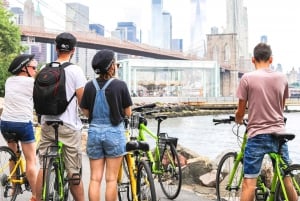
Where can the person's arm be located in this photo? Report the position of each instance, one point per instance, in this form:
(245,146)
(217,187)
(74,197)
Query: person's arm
(127,111)
(240,112)
(86,112)
(79,93)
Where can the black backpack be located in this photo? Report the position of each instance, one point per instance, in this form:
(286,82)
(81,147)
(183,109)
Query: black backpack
(49,92)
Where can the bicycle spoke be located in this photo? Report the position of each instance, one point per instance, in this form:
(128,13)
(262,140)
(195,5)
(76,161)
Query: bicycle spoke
(145,183)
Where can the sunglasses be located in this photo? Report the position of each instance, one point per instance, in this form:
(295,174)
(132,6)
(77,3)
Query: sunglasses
(33,67)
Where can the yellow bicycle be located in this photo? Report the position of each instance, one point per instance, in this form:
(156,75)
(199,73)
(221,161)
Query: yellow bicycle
(135,181)
(13,179)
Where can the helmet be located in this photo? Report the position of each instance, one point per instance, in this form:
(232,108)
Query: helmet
(19,62)
(102,61)
(65,42)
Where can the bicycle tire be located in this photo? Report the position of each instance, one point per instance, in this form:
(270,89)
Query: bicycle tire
(8,191)
(51,184)
(293,171)
(225,191)
(124,188)
(171,178)
(145,182)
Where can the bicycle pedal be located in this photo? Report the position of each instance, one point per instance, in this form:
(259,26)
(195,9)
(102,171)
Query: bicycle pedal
(260,195)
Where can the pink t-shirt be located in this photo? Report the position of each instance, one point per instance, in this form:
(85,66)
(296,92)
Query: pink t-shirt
(265,90)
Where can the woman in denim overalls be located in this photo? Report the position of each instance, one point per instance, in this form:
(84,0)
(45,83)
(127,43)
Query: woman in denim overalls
(106,101)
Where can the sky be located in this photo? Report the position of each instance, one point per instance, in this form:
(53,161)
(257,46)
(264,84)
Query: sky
(278,20)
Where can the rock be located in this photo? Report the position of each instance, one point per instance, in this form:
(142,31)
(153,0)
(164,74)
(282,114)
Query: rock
(209,179)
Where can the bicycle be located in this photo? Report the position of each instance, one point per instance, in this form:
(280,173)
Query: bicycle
(56,184)
(164,161)
(230,171)
(13,181)
(135,181)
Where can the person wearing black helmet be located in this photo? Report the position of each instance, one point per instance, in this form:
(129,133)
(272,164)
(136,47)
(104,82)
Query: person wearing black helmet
(70,131)
(106,101)
(17,115)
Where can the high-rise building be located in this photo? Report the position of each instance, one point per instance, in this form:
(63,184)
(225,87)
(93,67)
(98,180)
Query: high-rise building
(167,30)
(77,20)
(177,45)
(127,31)
(97,28)
(198,28)
(77,17)
(264,39)
(157,23)
(18,15)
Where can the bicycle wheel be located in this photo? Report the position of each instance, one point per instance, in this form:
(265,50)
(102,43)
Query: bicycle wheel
(51,184)
(171,177)
(224,189)
(293,172)
(8,190)
(145,183)
(124,190)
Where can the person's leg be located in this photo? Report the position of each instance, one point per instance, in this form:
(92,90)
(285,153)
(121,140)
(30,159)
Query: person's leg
(248,189)
(39,185)
(77,191)
(291,191)
(97,168)
(112,169)
(29,152)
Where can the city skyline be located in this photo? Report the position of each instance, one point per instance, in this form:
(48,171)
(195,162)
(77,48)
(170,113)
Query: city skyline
(265,18)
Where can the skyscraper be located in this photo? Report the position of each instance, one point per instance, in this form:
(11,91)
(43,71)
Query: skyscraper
(167,30)
(157,23)
(127,31)
(97,28)
(198,28)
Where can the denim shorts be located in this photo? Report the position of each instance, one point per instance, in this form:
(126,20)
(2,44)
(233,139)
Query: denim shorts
(106,141)
(256,148)
(23,130)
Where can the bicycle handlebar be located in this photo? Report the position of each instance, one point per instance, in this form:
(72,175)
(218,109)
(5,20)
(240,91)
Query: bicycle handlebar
(140,108)
(224,121)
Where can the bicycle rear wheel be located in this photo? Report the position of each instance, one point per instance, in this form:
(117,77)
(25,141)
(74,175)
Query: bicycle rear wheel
(292,172)
(124,190)
(171,177)
(51,185)
(8,190)
(225,189)
(145,183)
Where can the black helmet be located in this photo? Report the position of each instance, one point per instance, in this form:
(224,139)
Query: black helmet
(65,42)
(19,62)
(102,61)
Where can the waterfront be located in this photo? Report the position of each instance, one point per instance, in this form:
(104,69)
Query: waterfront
(199,134)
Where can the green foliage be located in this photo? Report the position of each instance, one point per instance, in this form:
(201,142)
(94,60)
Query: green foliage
(10,44)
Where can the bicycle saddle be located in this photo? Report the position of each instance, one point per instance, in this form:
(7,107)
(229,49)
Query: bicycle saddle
(10,137)
(135,145)
(284,136)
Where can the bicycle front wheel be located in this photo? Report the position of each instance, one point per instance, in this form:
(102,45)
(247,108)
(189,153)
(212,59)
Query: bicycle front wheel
(8,189)
(51,184)
(293,173)
(171,177)
(145,183)
(228,178)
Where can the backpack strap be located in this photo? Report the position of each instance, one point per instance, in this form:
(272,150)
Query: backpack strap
(63,65)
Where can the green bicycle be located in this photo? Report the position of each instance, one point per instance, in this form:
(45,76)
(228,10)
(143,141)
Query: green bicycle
(164,161)
(56,184)
(230,171)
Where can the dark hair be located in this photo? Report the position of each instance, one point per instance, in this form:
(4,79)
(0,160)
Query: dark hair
(262,52)
(65,42)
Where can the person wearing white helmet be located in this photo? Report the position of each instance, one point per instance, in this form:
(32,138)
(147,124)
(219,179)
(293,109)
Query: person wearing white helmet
(17,114)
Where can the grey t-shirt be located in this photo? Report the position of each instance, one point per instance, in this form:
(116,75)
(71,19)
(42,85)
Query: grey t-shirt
(265,90)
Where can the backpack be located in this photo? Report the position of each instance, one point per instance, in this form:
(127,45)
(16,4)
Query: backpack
(49,91)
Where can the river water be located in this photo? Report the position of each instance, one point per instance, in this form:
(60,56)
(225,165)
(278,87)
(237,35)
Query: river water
(199,134)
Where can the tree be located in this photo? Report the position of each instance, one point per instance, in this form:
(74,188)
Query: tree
(10,44)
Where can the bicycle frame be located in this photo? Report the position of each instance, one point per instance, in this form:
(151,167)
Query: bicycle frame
(57,154)
(132,171)
(20,163)
(154,159)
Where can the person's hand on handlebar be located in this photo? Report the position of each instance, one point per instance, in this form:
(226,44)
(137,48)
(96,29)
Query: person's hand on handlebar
(239,118)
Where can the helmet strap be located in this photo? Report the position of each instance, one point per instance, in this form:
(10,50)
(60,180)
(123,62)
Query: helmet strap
(26,70)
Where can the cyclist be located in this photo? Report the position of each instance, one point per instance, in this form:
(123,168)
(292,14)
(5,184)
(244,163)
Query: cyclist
(70,132)
(106,101)
(17,115)
(265,91)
